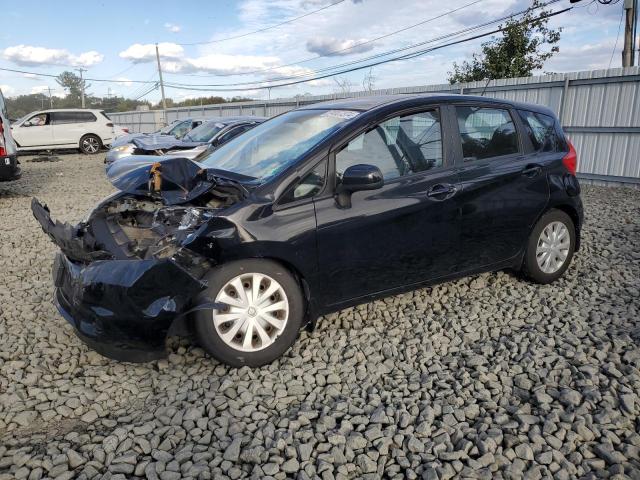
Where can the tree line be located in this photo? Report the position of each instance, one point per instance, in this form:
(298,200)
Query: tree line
(21,105)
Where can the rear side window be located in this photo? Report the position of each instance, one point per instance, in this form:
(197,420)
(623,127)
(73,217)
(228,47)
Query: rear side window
(400,146)
(541,130)
(104,114)
(486,132)
(58,118)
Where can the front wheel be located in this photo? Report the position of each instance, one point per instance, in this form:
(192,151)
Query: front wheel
(90,144)
(260,314)
(550,247)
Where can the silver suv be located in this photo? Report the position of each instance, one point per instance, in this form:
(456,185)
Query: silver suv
(9,169)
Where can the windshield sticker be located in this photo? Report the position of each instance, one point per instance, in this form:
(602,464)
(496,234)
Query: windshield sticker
(344,114)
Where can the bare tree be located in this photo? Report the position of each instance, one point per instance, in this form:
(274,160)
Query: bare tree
(369,81)
(344,86)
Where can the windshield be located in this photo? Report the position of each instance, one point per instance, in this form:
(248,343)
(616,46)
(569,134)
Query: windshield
(204,132)
(269,148)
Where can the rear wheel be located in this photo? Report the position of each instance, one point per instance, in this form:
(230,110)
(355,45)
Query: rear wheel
(259,316)
(550,248)
(90,144)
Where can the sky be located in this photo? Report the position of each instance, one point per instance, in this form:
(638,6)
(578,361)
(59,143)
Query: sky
(115,41)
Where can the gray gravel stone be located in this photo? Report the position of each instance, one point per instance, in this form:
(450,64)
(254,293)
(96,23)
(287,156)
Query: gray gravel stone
(484,377)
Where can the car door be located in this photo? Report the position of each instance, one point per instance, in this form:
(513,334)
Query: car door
(503,189)
(64,126)
(34,131)
(69,127)
(402,233)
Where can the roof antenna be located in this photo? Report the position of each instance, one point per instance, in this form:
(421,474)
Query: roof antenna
(485,87)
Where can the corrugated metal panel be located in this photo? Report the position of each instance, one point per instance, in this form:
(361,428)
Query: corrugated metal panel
(595,98)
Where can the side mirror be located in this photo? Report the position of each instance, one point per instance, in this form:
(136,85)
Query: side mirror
(26,124)
(362,177)
(356,178)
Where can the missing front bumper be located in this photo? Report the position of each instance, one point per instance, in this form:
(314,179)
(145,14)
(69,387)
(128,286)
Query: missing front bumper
(123,309)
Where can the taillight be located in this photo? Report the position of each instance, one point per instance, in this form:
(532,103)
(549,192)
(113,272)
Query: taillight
(109,124)
(570,160)
(3,150)
(125,130)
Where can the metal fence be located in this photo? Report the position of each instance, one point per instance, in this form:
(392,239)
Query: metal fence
(599,110)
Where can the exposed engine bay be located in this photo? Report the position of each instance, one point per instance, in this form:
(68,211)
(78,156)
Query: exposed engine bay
(160,209)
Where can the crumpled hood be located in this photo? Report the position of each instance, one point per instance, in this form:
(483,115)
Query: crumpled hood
(175,180)
(162,142)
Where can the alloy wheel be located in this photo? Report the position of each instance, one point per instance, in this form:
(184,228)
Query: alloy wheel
(254,313)
(553,247)
(90,145)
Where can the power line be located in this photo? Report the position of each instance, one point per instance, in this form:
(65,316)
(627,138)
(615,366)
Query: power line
(615,46)
(262,29)
(379,55)
(340,50)
(147,92)
(39,74)
(394,59)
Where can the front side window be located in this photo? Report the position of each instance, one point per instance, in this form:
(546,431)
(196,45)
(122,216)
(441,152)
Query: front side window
(400,146)
(310,185)
(233,133)
(269,148)
(541,130)
(486,132)
(38,120)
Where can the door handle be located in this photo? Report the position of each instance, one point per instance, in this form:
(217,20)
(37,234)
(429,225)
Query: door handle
(532,170)
(442,191)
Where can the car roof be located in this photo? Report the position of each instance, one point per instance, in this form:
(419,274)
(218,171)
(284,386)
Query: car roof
(230,120)
(54,110)
(364,104)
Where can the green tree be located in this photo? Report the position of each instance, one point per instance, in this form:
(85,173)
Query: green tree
(524,46)
(73,85)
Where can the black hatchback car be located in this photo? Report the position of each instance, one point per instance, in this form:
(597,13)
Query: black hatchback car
(320,208)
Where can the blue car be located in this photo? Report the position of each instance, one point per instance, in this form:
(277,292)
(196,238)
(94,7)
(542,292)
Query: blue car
(211,133)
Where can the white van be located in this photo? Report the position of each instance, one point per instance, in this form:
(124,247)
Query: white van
(88,130)
(9,169)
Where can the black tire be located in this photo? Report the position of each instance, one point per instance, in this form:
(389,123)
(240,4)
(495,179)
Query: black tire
(90,144)
(530,267)
(207,334)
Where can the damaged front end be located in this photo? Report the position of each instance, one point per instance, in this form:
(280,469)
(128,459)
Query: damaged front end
(128,271)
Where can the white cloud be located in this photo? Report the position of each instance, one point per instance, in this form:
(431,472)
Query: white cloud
(220,63)
(142,53)
(7,89)
(29,55)
(40,89)
(331,46)
(172,27)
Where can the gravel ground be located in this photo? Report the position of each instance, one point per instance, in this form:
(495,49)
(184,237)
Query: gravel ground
(486,377)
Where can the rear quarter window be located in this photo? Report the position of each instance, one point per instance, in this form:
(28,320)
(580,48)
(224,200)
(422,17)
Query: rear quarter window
(541,130)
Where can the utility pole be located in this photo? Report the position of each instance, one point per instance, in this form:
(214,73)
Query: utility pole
(81,85)
(628,52)
(164,101)
(50,98)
